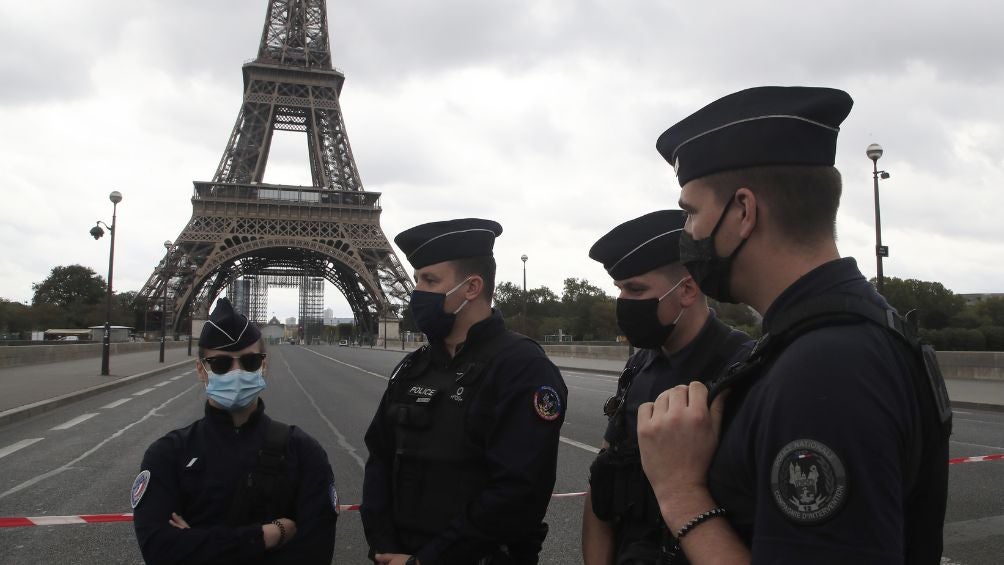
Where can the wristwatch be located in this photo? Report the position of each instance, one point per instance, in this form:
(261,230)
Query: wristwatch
(411,561)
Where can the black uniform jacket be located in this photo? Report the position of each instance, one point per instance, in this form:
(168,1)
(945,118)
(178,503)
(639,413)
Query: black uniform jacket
(195,471)
(813,463)
(713,349)
(519,450)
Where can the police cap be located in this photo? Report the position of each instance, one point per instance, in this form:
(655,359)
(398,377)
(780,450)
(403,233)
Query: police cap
(768,125)
(228,330)
(637,246)
(435,242)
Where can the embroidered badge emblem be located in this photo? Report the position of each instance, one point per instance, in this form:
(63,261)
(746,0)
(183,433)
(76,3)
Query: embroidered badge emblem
(547,403)
(139,488)
(808,482)
(333,495)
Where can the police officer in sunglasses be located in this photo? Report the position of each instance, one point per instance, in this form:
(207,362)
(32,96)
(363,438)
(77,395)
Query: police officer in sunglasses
(235,486)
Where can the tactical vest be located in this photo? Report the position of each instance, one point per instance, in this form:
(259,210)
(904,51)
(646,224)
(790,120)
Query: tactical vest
(265,493)
(620,492)
(438,467)
(929,455)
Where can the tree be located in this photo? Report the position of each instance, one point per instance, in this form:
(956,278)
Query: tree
(14,317)
(935,304)
(70,285)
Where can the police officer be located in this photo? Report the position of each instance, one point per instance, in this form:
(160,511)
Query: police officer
(663,313)
(463,447)
(235,486)
(833,447)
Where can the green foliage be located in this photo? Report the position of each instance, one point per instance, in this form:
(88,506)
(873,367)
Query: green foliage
(70,286)
(991,310)
(935,304)
(14,317)
(955,339)
(994,336)
(583,310)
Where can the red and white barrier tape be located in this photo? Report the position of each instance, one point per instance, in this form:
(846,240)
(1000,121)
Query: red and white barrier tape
(17,522)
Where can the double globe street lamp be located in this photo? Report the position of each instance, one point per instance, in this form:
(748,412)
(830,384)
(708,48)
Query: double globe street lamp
(873,152)
(96,233)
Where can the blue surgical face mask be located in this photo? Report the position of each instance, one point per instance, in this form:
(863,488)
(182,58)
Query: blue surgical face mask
(235,390)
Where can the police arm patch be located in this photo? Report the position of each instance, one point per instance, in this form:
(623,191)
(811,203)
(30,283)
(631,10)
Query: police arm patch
(808,482)
(139,488)
(547,403)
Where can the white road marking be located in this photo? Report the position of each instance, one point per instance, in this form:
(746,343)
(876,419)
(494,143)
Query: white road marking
(90,451)
(19,445)
(179,376)
(592,375)
(342,440)
(977,421)
(607,391)
(142,392)
(579,444)
(115,404)
(74,422)
(994,447)
(346,364)
(165,383)
(960,412)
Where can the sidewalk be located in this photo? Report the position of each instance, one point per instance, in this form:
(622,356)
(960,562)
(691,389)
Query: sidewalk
(964,393)
(29,389)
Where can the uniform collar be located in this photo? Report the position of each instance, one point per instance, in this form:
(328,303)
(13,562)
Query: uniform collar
(480,332)
(833,276)
(221,417)
(704,336)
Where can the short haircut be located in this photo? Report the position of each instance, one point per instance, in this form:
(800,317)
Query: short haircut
(261,348)
(803,199)
(483,266)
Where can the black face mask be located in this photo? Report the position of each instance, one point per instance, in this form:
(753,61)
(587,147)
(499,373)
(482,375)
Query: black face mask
(639,320)
(430,317)
(710,271)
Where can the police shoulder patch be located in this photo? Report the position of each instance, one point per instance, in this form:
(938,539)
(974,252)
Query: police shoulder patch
(547,403)
(808,482)
(139,488)
(333,495)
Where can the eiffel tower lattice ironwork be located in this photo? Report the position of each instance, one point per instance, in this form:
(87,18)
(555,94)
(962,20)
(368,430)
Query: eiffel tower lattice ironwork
(245,235)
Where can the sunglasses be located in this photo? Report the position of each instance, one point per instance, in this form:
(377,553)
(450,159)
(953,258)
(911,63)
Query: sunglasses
(221,364)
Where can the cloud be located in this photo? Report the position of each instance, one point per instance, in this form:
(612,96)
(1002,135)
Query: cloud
(541,114)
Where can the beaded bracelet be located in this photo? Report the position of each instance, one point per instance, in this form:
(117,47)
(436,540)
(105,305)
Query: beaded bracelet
(698,520)
(282,532)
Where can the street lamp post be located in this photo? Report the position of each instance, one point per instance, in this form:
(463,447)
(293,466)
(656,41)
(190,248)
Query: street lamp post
(524,258)
(96,233)
(165,273)
(873,152)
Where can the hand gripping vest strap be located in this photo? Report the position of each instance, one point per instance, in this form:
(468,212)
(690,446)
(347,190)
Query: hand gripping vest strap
(265,492)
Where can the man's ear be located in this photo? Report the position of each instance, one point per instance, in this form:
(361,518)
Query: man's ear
(690,293)
(747,200)
(474,286)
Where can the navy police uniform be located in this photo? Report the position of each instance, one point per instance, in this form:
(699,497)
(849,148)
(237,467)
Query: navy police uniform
(824,450)
(199,470)
(225,481)
(463,449)
(619,491)
(834,440)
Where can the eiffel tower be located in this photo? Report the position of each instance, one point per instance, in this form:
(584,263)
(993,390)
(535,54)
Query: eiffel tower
(246,236)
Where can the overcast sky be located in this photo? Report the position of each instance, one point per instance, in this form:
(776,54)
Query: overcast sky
(540,114)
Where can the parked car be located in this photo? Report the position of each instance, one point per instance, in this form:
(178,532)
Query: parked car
(343,342)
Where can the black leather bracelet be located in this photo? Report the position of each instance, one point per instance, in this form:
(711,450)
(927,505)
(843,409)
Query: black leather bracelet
(282,532)
(698,520)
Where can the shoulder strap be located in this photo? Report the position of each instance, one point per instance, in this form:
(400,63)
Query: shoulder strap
(834,310)
(273,450)
(408,360)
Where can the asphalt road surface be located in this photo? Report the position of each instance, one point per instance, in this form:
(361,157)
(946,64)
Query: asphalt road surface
(83,457)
